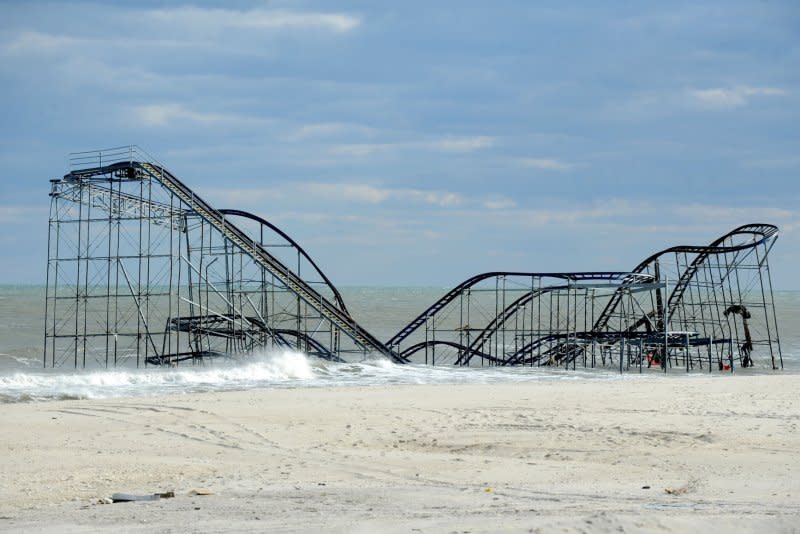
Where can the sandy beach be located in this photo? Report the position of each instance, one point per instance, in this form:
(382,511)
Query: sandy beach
(676,453)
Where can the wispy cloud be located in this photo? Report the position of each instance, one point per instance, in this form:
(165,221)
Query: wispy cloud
(238,197)
(462,144)
(22,214)
(719,97)
(313,192)
(254,19)
(319,217)
(34,41)
(355,192)
(600,211)
(446,144)
(500,204)
(669,101)
(376,195)
(439,198)
(627,213)
(165,114)
(360,150)
(785,218)
(546,164)
(326,130)
(200,29)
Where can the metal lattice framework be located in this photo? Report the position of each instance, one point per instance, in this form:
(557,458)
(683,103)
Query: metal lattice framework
(142,271)
(694,307)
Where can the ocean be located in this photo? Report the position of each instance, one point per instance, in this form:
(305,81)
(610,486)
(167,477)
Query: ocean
(382,311)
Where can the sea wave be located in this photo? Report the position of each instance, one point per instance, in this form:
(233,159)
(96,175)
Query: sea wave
(267,368)
(274,369)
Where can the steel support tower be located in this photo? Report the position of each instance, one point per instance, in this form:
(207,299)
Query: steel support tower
(141,270)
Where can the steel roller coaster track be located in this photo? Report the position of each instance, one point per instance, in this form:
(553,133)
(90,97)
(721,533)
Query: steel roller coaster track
(709,284)
(143,271)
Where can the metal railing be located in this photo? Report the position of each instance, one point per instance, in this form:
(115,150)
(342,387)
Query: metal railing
(109,156)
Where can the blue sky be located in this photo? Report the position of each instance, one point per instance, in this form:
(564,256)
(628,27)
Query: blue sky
(418,143)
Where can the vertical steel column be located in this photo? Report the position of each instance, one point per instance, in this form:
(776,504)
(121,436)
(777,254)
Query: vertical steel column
(47,282)
(108,269)
(116,285)
(774,314)
(764,304)
(148,290)
(78,277)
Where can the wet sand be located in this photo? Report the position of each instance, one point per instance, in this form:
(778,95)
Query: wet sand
(675,453)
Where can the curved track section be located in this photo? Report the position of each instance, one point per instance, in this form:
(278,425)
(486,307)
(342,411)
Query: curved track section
(461,350)
(493,315)
(462,288)
(762,232)
(498,322)
(758,234)
(728,273)
(296,246)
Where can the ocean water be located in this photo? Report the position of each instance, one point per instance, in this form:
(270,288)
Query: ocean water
(381,310)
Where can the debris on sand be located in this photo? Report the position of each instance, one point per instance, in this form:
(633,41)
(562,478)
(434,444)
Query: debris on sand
(128,497)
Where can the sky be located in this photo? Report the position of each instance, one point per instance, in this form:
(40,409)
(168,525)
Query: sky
(417,143)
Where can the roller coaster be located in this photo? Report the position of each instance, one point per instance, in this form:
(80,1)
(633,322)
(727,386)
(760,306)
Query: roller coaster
(142,271)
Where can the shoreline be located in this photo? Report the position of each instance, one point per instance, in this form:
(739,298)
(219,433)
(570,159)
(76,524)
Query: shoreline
(295,371)
(594,454)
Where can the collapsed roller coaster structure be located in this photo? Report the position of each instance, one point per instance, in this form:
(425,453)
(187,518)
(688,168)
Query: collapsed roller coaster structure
(142,271)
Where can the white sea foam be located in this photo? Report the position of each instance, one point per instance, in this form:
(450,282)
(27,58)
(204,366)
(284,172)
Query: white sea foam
(277,369)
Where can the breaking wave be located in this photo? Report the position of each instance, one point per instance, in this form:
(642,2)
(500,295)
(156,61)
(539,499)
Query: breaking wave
(275,369)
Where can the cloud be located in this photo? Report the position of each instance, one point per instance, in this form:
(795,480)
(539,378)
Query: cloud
(22,214)
(254,19)
(356,192)
(33,41)
(438,198)
(500,204)
(193,28)
(375,195)
(165,114)
(669,101)
(447,144)
(737,215)
(360,150)
(678,219)
(463,144)
(327,130)
(239,197)
(718,98)
(318,217)
(546,164)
